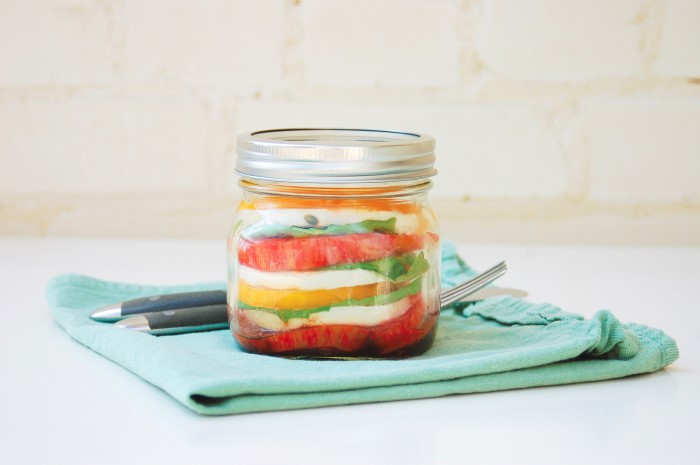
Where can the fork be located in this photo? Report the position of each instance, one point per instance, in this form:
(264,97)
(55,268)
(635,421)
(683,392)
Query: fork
(458,292)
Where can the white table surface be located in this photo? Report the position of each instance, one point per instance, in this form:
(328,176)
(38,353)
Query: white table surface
(62,403)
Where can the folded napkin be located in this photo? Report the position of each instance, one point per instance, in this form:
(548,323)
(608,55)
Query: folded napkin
(500,343)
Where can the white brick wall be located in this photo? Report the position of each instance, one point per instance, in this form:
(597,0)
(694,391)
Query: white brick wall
(643,150)
(226,46)
(55,42)
(555,40)
(129,145)
(681,32)
(556,120)
(401,43)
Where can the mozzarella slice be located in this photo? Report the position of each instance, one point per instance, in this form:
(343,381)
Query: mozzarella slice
(357,316)
(406,223)
(308,280)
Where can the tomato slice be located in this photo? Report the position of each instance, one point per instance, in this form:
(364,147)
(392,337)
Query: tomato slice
(308,253)
(401,336)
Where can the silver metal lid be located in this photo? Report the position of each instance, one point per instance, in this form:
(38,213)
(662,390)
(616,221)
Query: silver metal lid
(335,155)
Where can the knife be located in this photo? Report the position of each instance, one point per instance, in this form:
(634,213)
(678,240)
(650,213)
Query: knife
(184,320)
(158,303)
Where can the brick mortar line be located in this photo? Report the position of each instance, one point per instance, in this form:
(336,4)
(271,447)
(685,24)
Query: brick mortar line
(502,205)
(491,90)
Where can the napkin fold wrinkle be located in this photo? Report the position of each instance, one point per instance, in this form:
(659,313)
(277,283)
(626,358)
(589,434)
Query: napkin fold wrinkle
(496,344)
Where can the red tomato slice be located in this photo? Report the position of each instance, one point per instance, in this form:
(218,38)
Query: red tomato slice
(308,253)
(406,335)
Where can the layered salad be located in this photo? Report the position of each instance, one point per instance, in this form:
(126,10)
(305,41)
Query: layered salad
(334,279)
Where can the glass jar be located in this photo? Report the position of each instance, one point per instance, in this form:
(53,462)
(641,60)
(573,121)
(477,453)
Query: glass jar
(334,251)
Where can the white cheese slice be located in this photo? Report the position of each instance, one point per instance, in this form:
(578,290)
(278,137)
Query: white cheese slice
(307,280)
(406,223)
(357,316)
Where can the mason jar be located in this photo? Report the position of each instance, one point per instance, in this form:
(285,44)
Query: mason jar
(334,250)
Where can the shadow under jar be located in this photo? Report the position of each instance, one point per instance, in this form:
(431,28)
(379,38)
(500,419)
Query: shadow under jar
(334,250)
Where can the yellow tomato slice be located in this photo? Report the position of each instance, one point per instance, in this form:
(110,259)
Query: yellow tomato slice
(283,299)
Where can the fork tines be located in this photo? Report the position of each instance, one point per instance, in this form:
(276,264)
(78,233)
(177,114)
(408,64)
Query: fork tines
(460,291)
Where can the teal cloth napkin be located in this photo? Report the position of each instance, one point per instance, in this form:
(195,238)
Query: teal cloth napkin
(500,343)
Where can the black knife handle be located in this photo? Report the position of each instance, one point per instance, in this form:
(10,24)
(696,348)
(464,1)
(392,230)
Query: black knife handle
(188,320)
(159,303)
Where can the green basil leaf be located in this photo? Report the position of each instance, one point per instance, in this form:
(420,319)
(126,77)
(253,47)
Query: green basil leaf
(419,266)
(397,269)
